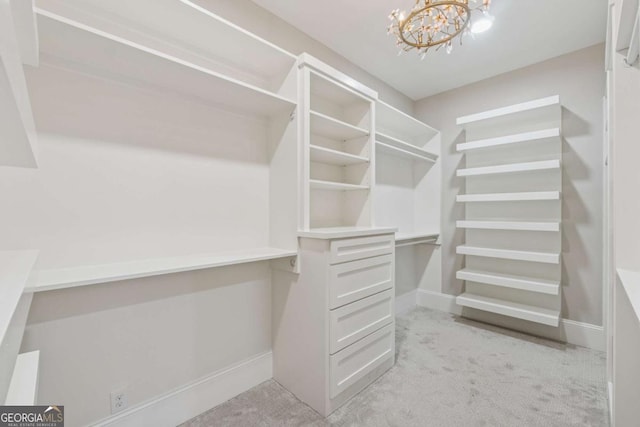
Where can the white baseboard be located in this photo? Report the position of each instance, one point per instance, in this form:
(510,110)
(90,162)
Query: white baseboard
(406,302)
(190,400)
(438,301)
(570,331)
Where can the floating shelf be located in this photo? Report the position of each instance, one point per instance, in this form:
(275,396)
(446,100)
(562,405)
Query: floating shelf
(511,168)
(510,139)
(344,232)
(18,131)
(335,129)
(550,287)
(509,197)
(509,225)
(389,118)
(334,157)
(397,147)
(526,107)
(335,186)
(71,44)
(508,308)
(543,257)
(48,280)
(23,389)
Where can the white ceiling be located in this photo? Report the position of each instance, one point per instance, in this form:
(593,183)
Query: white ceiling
(524,32)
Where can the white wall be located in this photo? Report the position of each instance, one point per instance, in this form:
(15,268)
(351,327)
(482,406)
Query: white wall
(579,80)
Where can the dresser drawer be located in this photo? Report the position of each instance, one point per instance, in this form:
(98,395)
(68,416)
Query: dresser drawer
(356,361)
(344,250)
(355,280)
(357,320)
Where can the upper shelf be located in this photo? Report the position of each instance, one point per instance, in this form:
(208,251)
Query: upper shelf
(336,92)
(97,52)
(335,129)
(522,110)
(185,29)
(48,280)
(396,147)
(511,168)
(510,139)
(17,133)
(391,120)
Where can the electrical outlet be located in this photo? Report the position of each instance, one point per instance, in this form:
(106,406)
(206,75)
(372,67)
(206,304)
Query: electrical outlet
(119,401)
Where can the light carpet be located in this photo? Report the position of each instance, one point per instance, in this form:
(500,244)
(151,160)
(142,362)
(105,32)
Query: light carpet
(453,372)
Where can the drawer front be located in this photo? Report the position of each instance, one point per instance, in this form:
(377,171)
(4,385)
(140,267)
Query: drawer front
(355,321)
(355,280)
(345,250)
(356,361)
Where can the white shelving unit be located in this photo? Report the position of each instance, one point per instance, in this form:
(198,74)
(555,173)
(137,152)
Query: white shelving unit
(408,176)
(336,123)
(19,46)
(510,271)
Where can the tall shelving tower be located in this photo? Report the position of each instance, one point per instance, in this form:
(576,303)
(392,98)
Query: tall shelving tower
(513,240)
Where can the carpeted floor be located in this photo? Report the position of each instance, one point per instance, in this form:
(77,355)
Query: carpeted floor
(450,372)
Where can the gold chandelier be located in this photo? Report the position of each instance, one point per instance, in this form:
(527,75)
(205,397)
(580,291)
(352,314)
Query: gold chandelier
(435,23)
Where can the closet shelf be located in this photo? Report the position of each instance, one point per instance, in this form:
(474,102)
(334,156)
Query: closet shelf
(15,270)
(523,109)
(510,168)
(48,280)
(551,287)
(335,129)
(18,131)
(509,197)
(542,257)
(335,186)
(397,147)
(510,139)
(630,281)
(344,232)
(628,18)
(508,308)
(335,157)
(390,119)
(74,45)
(510,225)
(23,388)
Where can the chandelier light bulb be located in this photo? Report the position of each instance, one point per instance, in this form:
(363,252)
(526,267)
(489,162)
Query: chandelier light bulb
(483,23)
